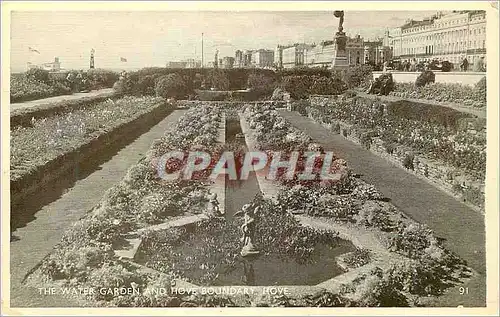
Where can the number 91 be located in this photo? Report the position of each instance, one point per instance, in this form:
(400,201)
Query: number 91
(463,290)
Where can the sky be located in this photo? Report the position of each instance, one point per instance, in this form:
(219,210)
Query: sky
(154,38)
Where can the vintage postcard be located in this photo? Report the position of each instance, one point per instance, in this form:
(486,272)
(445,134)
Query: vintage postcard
(250,158)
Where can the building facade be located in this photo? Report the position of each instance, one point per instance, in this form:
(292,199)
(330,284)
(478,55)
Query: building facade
(262,58)
(247,58)
(176,65)
(192,63)
(376,53)
(54,66)
(228,62)
(293,55)
(238,59)
(319,55)
(450,37)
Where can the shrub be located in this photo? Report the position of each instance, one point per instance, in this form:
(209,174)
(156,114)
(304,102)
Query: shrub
(390,147)
(38,74)
(426,77)
(124,86)
(412,240)
(297,86)
(339,207)
(146,85)
(219,79)
(75,262)
(171,85)
(261,84)
(327,86)
(101,78)
(380,290)
(109,277)
(357,258)
(408,161)
(358,76)
(372,214)
(300,106)
(428,276)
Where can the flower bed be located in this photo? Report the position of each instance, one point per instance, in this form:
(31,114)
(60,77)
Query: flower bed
(272,133)
(95,136)
(452,93)
(450,152)
(48,138)
(408,261)
(85,256)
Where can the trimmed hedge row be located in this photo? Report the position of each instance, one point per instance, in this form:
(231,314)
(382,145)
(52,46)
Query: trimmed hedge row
(300,82)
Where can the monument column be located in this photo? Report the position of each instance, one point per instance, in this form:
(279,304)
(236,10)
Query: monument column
(339,54)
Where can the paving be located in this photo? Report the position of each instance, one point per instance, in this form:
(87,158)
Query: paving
(57,99)
(34,241)
(462,227)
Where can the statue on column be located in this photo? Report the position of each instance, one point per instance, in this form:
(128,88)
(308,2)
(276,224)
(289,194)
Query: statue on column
(340,38)
(340,14)
(216,62)
(340,60)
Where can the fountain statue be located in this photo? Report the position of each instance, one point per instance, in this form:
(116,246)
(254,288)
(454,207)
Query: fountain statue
(340,39)
(249,212)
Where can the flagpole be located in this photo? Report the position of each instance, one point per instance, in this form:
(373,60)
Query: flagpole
(201,50)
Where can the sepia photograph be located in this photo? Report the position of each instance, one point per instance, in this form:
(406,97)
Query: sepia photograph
(257,155)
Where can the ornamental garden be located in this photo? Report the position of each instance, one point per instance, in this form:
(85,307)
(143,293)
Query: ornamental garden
(273,238)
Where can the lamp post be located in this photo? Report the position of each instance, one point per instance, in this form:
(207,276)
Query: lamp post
(92,51)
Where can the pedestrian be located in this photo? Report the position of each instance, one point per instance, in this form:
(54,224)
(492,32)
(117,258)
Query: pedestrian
(465,64)
(384,69)
(79,81)
(70,81)
(413,65)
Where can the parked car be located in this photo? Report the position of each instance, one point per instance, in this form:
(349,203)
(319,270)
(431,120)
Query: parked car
(443,66)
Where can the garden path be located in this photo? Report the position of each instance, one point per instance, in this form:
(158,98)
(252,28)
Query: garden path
(33,242)
(56,99)
(462,227)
